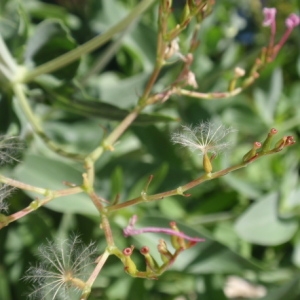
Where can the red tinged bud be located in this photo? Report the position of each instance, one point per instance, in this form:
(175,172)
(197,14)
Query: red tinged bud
(266,146)
(252,153)
(284,142)
(144,250)
(128,251)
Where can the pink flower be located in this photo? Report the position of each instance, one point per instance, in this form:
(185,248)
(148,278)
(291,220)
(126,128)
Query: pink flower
(292,21)
(270,14)
(130,230)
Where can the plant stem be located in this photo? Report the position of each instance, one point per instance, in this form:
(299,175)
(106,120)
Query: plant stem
(38,203)
(89,46)
(94,275)
(208,96)
(107,231)
(23,102)
(23,186)
(112,138)
(180,190)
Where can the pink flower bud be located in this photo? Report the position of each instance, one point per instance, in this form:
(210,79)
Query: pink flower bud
(144,250)
(128,251)
(273,131)
(270,14)
(292,21)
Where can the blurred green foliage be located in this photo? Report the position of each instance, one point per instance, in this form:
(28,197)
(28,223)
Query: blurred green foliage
(250,218)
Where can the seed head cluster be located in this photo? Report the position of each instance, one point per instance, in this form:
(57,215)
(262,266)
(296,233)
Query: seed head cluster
(207,137)
(63,264)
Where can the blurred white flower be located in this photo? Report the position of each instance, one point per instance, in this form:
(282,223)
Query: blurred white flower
(191,79)
(172,49)
(207,137)
(65,266)
(237,287)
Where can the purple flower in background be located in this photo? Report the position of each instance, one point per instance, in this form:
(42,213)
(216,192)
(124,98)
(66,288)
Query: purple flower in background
(130,230)
(270,14)
(269,21)
(292,21)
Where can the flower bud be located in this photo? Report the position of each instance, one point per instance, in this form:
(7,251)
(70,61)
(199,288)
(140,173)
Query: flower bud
(280,144)
(267,143)
(239,72)
(177,242)
(130,266)
(252,152)
(150,261)
(284,142)
(290,141)
(172,49)
(165,254)
(191,79)
(185,14)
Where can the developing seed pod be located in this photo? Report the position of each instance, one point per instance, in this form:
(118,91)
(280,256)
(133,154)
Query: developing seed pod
(252,153)
(130,266)
(266,146)
(150,261)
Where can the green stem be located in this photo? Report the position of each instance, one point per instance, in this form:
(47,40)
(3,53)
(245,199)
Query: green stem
(94,275)
(38,203)
(23,103)
(160,52)
(89,46)
(107,231)
(112,138)
(208,96)
(180,190)
(23,186)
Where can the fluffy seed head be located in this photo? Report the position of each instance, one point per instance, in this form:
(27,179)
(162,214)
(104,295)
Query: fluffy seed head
(10,147)
(207,137)
(5,192)
(65,266)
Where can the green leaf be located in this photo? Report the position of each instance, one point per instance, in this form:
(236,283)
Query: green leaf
(97,109)
(48,173)
(260,224)
(290,290)
(4,285)
(50,40)
(120,92)
(117,181)
(241,185)
(212,257)
(42,10)
(296,251)
(267,104)
(171,208)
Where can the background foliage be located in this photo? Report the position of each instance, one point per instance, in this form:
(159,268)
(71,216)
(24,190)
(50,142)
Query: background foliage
(249,218)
